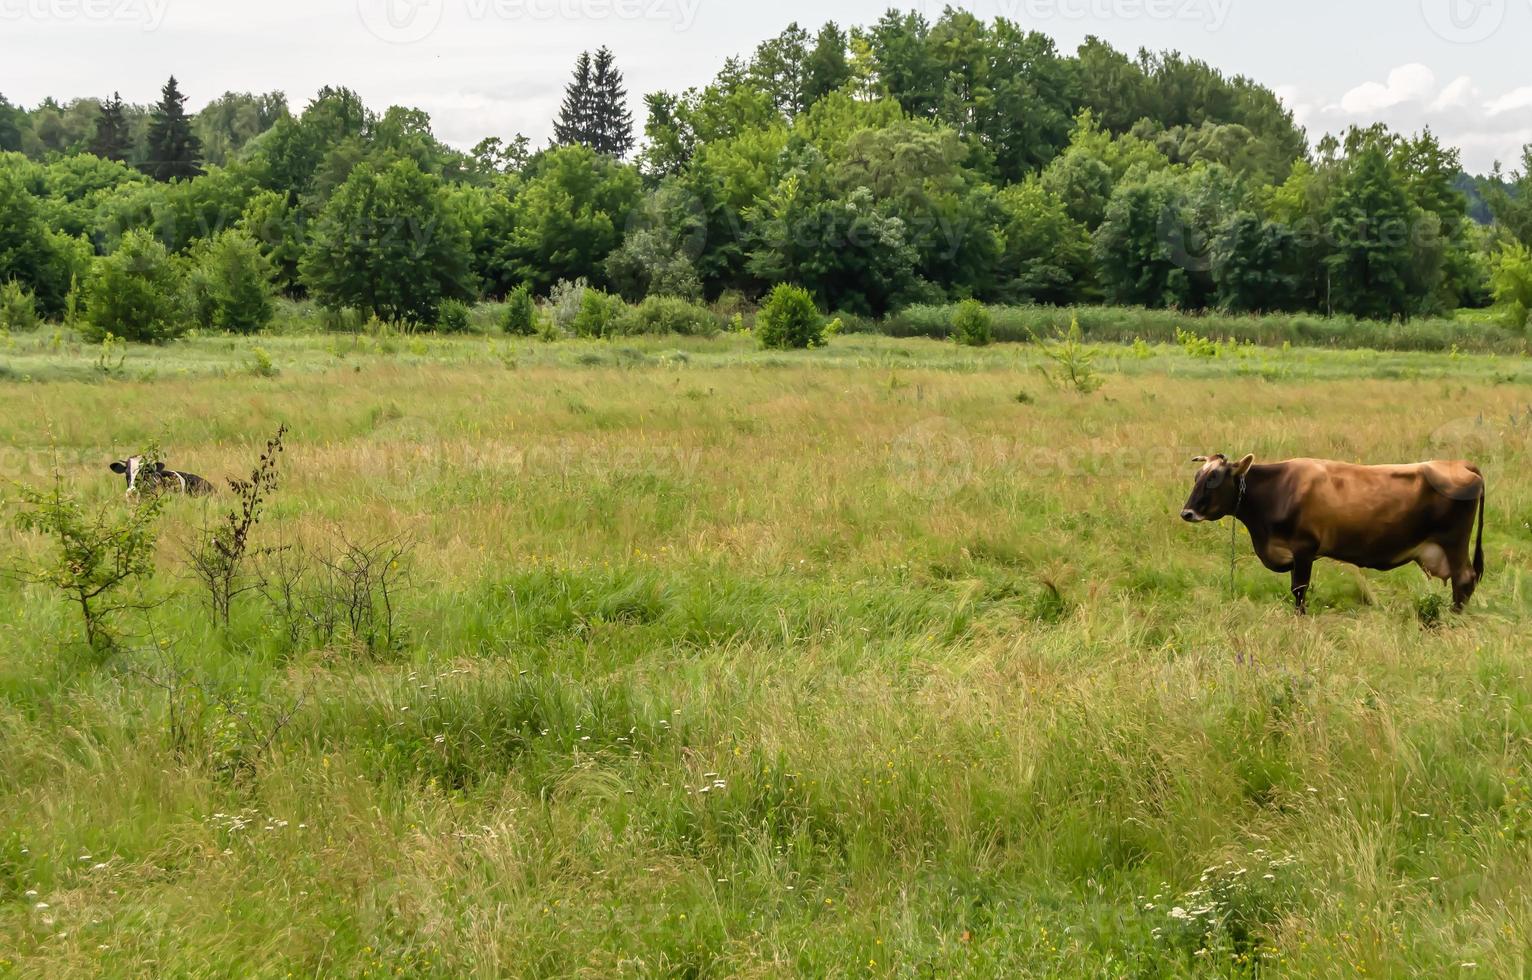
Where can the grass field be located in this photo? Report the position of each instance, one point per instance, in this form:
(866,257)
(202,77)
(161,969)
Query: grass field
(884,659)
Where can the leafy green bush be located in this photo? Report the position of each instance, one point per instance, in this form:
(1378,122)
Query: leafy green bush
(668,314)
(564,301)
(232,284)
(789,319)
(136,293)
(520,316)
(453,317)
(18,308)
(97,555)
(600,315)
(1511,278)
(971,324)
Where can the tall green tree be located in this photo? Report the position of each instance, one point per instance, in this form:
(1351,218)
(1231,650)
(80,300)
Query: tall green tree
(174,150)
(568,218)
(1045,254)
(388,243)
(1370,223)
(113,140)
(230,122)
(1510,199)
(575,124)
(595,110)
(11,120)
(781,68)
(611,118)
(905,63)
(827,69)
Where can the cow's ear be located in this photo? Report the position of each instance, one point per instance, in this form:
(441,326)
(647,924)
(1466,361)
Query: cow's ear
(119,467)
(1243,466)
(159,467)
(1199,459)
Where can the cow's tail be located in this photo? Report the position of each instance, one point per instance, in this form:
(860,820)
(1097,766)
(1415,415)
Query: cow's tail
(1478,549)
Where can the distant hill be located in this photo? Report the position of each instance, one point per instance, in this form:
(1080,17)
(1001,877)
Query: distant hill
(1478,190)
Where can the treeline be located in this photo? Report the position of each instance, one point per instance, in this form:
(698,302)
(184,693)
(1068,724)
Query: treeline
(903,163)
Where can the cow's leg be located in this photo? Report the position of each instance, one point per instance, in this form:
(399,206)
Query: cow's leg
(1464,581)
(1303,570)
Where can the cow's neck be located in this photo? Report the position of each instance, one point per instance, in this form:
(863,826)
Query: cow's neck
(1257,504)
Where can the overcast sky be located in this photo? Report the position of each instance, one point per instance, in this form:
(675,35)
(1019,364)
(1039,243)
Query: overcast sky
(496,67)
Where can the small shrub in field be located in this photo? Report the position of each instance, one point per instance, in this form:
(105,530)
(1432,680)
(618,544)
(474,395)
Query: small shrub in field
(520,317)
(564,302)
(601,315)
(136,293)
(222,551)
(18,309)
(1196,345)
(1073,361)
(453,317)
(231,284)
(111,355)
(96,555)
(1430,609)
(971,324)
(668,314)
(789,319)
(261,364)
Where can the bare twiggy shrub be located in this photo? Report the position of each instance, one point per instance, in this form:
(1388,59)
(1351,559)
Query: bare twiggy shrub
(220,556)
(345,593)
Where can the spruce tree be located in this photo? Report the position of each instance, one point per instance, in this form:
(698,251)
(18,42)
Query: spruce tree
(173,147)
(112,140)
(573,126)
(11,119)
(827,68)
(612,120)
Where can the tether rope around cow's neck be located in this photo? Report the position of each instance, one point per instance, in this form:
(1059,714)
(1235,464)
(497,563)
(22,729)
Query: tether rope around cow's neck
(1234,533)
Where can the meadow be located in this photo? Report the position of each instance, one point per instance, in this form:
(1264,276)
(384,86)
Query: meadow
(890,658)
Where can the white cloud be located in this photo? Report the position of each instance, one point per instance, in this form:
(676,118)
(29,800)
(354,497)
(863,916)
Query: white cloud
(1486,128)
(1407,83)
(1513,100)
(1456,95)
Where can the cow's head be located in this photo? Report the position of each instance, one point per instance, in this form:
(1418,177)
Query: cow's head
(1215,494)
(139,472)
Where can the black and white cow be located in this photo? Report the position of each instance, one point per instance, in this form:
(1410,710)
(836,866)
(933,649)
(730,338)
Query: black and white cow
(154,477)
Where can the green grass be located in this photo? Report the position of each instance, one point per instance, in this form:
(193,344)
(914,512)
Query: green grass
(1469,330)
(722,662)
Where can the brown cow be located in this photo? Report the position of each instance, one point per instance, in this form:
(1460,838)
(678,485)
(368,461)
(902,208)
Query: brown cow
(1369,516)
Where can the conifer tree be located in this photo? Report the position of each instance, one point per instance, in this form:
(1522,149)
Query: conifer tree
(173,147)
(573,126)
(612,120)
(112,140)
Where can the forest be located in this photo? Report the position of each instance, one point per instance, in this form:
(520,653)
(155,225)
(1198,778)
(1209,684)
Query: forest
(876,167)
